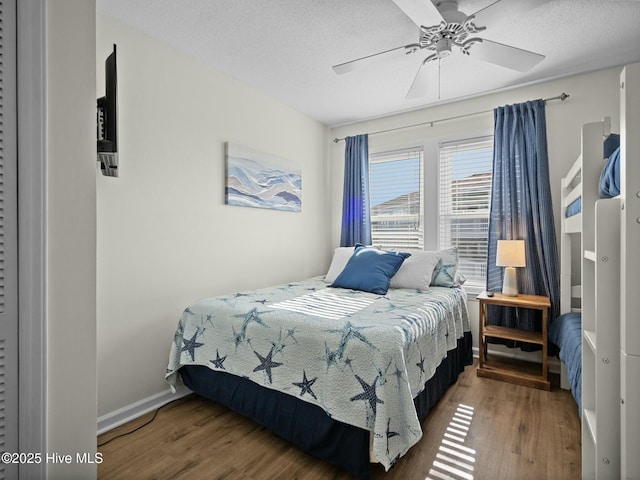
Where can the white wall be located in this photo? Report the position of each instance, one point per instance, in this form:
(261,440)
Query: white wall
(71,236)
(165,237)
(592,96)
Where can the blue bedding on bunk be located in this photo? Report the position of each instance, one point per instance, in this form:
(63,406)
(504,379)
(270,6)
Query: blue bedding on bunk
(574,207)
(566,333)
(610,145)
(609,177)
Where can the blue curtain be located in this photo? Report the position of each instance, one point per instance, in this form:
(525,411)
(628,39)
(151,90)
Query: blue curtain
(356,220)
(521,210)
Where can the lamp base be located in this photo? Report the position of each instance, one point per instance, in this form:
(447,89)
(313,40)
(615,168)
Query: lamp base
(510,284)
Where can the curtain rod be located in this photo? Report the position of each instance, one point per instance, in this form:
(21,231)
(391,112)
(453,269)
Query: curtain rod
(562,97)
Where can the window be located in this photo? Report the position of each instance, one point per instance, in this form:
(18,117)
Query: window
(396,196)
(465,193)
(458,212)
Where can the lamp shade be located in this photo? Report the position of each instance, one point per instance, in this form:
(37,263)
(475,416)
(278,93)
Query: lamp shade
(510,253)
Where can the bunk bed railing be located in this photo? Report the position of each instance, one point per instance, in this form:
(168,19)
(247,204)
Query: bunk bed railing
(571,190)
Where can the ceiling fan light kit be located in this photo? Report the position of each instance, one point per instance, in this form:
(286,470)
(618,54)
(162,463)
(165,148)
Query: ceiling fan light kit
(443,27)
(451,32)
(443,47)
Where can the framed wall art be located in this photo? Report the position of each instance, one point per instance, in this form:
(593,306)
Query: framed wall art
(261,180)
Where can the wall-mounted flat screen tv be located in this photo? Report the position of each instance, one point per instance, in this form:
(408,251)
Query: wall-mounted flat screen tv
(108,119)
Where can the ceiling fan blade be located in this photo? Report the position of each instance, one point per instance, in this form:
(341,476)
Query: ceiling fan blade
(505,55)
(497,12)
(422,80)
(421,12)
(371,59)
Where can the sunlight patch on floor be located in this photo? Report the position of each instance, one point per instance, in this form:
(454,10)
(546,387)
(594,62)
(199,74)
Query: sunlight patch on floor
(454,460)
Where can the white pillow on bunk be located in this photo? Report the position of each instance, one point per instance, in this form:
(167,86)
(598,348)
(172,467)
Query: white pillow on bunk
(416,271)
(341,256)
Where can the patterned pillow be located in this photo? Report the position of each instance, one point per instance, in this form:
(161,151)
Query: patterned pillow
(444,275)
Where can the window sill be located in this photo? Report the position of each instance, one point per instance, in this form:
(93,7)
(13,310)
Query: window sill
(473,291)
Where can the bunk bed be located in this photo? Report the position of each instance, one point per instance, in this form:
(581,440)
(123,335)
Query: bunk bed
(598,333)
(588,344)
(594,175)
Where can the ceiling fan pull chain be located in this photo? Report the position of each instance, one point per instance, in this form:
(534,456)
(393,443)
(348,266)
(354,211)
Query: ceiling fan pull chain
(439,82)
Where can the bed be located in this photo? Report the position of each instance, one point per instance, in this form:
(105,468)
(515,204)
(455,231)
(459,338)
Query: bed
(566,333)
(585,183)
(345,374)
(609,180)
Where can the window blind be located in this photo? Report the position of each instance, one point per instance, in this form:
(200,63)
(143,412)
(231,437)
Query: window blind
(465,170)
(396,195)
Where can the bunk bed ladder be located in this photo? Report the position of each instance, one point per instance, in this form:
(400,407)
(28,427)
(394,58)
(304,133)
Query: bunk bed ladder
(630,271)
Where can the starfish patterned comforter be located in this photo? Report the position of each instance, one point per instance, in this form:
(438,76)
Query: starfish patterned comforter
(359,356)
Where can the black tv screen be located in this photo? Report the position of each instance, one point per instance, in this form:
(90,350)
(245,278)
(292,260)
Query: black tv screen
(108,119)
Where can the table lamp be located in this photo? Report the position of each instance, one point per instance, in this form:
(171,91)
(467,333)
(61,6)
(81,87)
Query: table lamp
(510,254)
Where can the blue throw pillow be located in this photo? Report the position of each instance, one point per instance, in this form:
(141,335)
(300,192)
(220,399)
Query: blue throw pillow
(370,270)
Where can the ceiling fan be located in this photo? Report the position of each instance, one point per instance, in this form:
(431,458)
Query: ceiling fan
(443,27)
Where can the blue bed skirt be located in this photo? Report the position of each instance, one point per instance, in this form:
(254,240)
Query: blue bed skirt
(307,425)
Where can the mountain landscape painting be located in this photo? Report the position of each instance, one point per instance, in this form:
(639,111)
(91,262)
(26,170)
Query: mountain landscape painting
(261,180)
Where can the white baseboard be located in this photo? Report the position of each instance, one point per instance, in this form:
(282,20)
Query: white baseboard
(130,412)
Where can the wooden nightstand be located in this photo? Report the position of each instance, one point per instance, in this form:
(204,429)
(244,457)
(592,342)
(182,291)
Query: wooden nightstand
(503,368)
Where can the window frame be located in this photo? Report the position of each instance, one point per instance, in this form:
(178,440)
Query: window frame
(431,182)
(470,286)
(400,150)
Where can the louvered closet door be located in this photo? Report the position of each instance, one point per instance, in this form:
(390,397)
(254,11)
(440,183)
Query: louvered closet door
(8,239)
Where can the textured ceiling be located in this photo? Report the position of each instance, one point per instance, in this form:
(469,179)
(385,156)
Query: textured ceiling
(286,48)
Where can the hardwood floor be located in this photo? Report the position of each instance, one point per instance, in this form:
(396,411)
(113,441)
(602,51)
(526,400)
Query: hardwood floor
(481,429)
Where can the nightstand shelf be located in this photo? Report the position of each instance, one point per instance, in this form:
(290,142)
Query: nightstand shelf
(513,334)
(501,368)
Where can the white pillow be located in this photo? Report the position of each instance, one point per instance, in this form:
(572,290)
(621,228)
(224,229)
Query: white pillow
(341,256)
(416,271)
